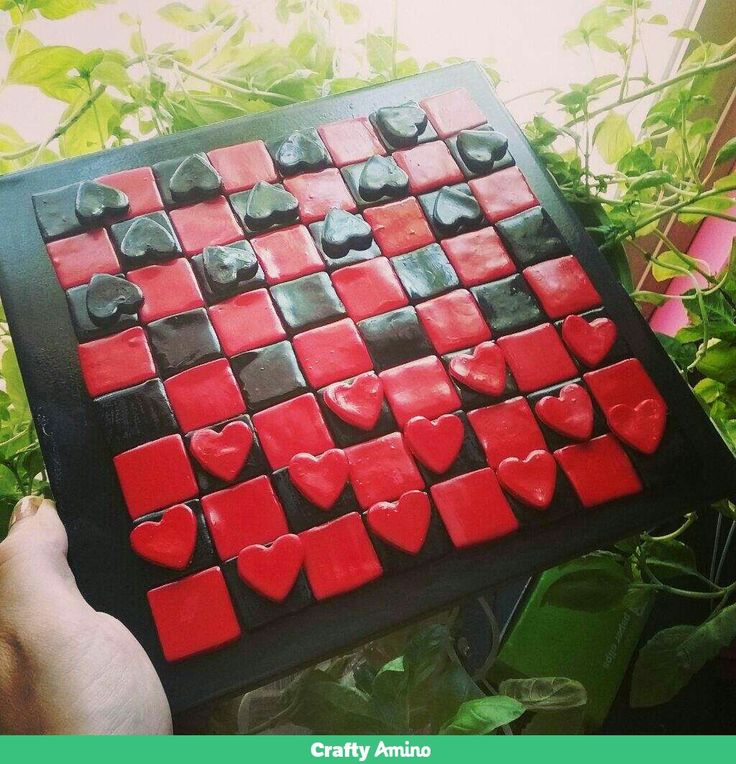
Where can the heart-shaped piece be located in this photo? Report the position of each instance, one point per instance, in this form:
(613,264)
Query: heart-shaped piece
(301,152)
(146,237)
(403,523)
(570,413)
(479,148)
(223,454)
(455,210)
(382,177)
(194,179)
(272,570)
(98,203)
(321,479)
(590,341)
(168,542)
(343,232)
(436,443)
(225,265)
(401,125)
(270,205)
(531,480)
(109,296)
(641,426)
(357,402)
(484,370)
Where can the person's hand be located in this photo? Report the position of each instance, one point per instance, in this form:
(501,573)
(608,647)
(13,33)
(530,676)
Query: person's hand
(65,668)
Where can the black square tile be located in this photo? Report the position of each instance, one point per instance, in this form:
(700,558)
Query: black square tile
(307,302)
(265,206)
(183,340)
(196,181)
(673,460)
(218,281)
(56,212)
(346,239)
(84,327)
(269,375)
(301,151)
(376,181)
(479,166)
(403,126)
(531,237)
(508,305)
(152,240)
(473,399)
(452,210)
(394,338)
(425,272)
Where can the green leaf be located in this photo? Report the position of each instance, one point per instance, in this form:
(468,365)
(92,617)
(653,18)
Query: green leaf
(669,558)
(545,693)
(594,585)
(719,363)
(658,18)
(379,49)
(61,9)
(725,184)
(348,12)
(424,651)
(14,381)
(47,68)
(484,715)
(727,152)
(613,137)
(669,264)
(651,179)
(184,17)
(682,353)
(650,298)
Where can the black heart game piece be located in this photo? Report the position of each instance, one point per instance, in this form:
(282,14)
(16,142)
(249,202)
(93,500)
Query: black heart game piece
(194,179)
(97,203)
(109,296)
(343,231)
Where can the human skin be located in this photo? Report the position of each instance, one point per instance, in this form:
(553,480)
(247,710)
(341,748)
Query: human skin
(64,667)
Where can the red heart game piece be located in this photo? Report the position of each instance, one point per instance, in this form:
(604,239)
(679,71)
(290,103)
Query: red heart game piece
(641,426)
(531,480)
(223,453)
(168,542)
(322,478)
(403,523)
(436,443)
(358,402)
(272,570)
(590,342)
(570,413)
(484,370)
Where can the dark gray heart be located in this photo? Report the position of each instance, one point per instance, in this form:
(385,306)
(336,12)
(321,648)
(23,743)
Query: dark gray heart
(109,296)
(301,152)
(479,149)
(455,210)
(96,202)
(380,177)
(343,232)
(226,265)
(148,238)
(401,125)
(195,178)
(269,205)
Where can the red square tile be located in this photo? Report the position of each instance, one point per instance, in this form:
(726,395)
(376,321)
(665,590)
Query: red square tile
(287,254)
(290,428)
(194,615)
(537,358)
(599,470)
(204,395)
(205,224)
(155,475)
(117,361)
(350,141)
(452,112)
(369,288)
(331,353)
(474,508)
(339,556)
(243,165)
(453,321)
(245,514)
(167,289)
(478,256)
(625,382)
(507,429)
(139,186)
(399,227)
(318,192)
(429,166)
(502,194)
(562,286)
(246,321)
(419,388)
(382,470)
(78,258)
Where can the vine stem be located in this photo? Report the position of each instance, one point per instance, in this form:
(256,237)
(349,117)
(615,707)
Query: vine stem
(235,88)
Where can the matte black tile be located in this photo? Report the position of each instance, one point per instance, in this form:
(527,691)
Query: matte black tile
(376,181)
(225,271)
(531,237)
(482,162)
(508,305)
(183,340)
(301,151)
(307,302)
(194,179)
(425,272)
(152,240)
(84,327)
(394,338)
(346,241)
(452,210)
(674,461)
(403,126)
(265,206)
(56,212)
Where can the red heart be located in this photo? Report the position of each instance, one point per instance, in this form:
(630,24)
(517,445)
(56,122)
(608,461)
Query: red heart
(641,426)
(484,370)
(320,478)
(531,480)
(272,570)
(358,402)
(168,542)
(570,413)
(223,453)
(435,443)
(403,523)
(590,342)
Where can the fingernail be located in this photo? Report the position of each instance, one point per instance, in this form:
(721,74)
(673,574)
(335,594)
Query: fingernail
(26,507)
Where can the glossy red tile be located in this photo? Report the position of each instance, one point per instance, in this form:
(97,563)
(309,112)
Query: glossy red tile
(502,194)
(625,382)
(589,341)
(453,321)
(205,224)
(478,256)
(168,542)
(246,321)
(429,166)
(452,112)
(350,141)
(322,478)
(243,165)
(531,480)
(369,288)
(358,401)
(319,192)
(404,523)
(435,443)
(78,258)
(562,286)
(272,570)
(399,227)
(167,289)
(287,254)
(139,185)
